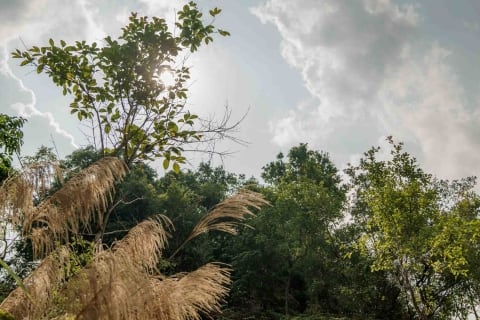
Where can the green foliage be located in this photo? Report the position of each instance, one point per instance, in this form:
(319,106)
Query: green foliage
(118,87)
(12,274)
(44,172)
(303,164)
(185,198)
(80,159)
(11,139)
(422,231)
(82,253)
(11,135)
(282,262)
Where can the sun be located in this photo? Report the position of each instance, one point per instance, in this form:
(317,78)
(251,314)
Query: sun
(166,76)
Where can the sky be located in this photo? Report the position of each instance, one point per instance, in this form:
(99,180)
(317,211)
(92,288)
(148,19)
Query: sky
(339,75)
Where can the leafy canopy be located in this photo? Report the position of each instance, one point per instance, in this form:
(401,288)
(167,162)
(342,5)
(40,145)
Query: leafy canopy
(421,230)
(119,86)
(11,139)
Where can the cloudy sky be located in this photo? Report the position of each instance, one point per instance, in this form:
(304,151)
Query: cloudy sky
(339,75)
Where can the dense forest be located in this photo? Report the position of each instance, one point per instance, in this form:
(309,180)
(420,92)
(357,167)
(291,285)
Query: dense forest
(100,235)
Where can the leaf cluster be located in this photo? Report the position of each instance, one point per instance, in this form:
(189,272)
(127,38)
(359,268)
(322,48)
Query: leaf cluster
(118,86)
(418,229)
(11,139)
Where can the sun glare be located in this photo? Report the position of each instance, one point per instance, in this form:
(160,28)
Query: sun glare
(166,76)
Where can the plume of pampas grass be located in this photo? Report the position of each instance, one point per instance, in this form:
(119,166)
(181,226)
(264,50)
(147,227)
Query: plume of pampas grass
(188,296)
(123,285)
(18,191)
(40,285)
(144,243)
(116,281)
(122,282)
(119,284)
(226,215)
(81,200)
(16,198)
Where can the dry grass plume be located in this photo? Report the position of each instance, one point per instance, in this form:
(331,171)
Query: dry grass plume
(122,282)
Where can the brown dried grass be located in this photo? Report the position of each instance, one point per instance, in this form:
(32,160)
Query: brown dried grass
(19,190)
(188,296)
(82,200)
(109,287)
(16,198)
(229,213)
(122,282)
(41,284)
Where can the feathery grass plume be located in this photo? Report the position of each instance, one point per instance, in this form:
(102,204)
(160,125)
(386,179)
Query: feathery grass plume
(111,288)
(127,293)
(41,284)
(226,215)
(81,200)
(188,296)
(16,198)
(121,283)
(17,192)
(41,174)
(144,243)
(117,280)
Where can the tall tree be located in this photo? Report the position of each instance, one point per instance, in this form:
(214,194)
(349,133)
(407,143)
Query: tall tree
(120,87)
(134,115)
(291,239)
(422,231)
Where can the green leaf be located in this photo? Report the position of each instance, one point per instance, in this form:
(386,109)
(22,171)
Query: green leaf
(114,81)
(215,11)
(116,116)
(223,32)
(176,167)
(166,163)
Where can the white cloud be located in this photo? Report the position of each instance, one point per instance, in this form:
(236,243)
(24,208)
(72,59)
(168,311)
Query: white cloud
(424,100)
(37,20)
(163,8)
(33,23)
(371,74)
(343,49)
(13,12)
(29,109)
